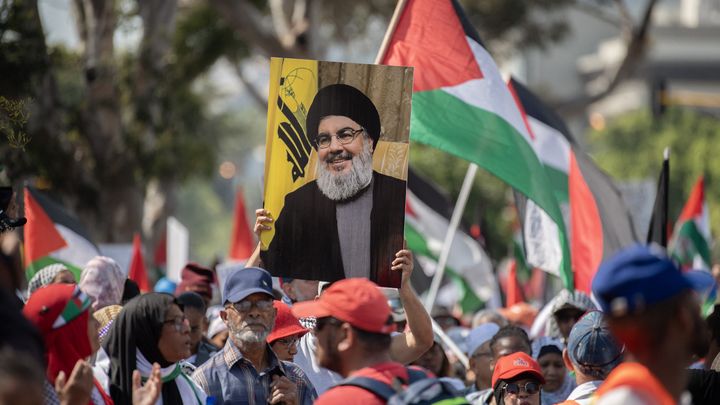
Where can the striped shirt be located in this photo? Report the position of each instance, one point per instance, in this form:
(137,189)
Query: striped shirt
(232,379)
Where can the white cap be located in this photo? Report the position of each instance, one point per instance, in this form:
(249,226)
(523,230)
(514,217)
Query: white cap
(479,336)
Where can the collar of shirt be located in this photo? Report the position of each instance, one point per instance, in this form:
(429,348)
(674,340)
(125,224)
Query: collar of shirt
(232,355)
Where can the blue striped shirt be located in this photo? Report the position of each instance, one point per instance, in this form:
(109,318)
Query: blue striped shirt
(232,379)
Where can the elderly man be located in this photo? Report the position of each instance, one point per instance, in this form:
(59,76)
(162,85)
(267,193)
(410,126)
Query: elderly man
(247,371)
(349,221)
(650,308)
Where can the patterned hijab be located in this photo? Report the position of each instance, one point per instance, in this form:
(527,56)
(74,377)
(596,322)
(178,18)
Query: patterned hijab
(44,277)
(103,280)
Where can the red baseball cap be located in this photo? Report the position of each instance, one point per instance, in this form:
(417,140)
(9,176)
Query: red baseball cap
(512,365)
(285,323)
(357,301)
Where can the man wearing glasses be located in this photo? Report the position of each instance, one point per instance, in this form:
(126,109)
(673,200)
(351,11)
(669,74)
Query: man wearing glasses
(349,221)
(246,371)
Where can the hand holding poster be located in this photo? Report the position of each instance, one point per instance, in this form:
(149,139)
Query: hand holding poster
(335,169)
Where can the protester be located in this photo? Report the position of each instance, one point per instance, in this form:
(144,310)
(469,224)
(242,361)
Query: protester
(510,339)
(405,347)
(217,332)
(517,379)
(198,279)
(103,280)
(353,329)
(558,384)
(150,329)
(568,308)
(435,361)
(21,379)
(55,273)
(488,316)
(651,309)
(61,314)
(299,290)
(193,306)
(246,366)
(480,358)
(592,353)
(105,318)
(286,333)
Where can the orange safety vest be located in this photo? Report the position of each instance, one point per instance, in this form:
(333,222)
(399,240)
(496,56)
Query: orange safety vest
(638,378)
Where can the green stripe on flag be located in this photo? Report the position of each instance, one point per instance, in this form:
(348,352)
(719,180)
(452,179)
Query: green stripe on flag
(38,264)
(489,141)
(689,242)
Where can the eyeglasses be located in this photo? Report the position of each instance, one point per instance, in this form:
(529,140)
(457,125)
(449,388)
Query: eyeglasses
(530,387)
(288,341)
(177,323)
(320,323)
(245,306)
(344,136)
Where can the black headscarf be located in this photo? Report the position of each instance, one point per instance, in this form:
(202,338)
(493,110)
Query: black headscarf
(347,101)
(138,327)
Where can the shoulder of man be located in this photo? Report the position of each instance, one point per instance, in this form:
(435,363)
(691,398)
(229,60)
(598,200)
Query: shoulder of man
(207,373)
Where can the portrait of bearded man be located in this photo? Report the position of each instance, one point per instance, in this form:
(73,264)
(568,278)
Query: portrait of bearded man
(348,222)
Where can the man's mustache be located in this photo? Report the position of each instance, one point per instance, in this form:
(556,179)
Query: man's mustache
(338,155)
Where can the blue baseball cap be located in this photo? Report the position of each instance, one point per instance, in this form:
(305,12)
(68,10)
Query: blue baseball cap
(243,282)
(592,348)
(636,278)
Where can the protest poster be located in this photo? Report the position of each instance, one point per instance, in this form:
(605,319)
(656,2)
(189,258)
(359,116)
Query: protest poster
(335,169)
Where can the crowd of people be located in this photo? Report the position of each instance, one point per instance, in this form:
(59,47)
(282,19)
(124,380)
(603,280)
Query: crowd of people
(640,340)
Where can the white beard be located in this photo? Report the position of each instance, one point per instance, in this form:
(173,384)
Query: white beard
(341,186)
(246,335)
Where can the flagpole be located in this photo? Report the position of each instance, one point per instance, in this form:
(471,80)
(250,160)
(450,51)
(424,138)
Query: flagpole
(391,28)
(454,222)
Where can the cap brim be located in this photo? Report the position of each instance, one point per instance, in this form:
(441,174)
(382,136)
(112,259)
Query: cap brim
(314,308)
(701,281)
(241,295)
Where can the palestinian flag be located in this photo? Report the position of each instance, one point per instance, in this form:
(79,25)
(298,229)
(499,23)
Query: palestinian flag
(241,239)
(137,271)
(595,216)
(427,219)
(52,235)
(691,240)
(461,105)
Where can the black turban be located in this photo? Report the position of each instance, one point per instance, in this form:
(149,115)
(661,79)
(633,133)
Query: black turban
(346,101)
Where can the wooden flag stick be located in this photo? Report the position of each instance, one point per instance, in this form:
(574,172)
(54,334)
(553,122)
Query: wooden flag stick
(391,29)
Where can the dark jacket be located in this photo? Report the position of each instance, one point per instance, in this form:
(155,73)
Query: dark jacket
(306,243)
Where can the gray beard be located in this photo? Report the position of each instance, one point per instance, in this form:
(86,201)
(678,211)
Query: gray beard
(341,186)
(246,335)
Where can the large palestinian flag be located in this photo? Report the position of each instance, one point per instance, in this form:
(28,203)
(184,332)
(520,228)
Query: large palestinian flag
(52,235)
(427,219)
(461,104)
(690,245)
(595,216)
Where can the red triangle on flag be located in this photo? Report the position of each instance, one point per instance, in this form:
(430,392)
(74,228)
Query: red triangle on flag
(428,32)
(137,272)
(514,294)
(241,240)
(694,205)
(40,235)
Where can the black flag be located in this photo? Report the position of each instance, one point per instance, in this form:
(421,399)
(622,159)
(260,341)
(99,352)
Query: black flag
(658,230)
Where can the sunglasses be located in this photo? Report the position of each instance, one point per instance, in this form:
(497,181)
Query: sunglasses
(530,387)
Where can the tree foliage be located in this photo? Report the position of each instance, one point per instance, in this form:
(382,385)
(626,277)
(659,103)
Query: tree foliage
(631,148)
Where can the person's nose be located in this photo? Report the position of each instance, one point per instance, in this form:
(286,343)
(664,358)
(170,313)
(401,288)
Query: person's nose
(185,326)
(335,144)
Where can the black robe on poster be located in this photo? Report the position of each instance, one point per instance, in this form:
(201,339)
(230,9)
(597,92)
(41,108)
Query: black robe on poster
(306,243)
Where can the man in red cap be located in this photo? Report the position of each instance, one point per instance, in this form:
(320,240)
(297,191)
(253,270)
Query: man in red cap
(353,329)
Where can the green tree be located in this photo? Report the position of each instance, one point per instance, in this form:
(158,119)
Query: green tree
(631,148)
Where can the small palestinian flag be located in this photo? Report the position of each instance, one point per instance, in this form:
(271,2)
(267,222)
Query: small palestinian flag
(691,240)
(52,235)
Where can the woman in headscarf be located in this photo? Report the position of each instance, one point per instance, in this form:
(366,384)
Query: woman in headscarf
(151,328)
(558,383)
(568,307)
(55,273)
(61,314)
(103,280)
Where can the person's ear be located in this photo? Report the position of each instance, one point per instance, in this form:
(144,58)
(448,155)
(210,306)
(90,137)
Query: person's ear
(347,337)
(566,360)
